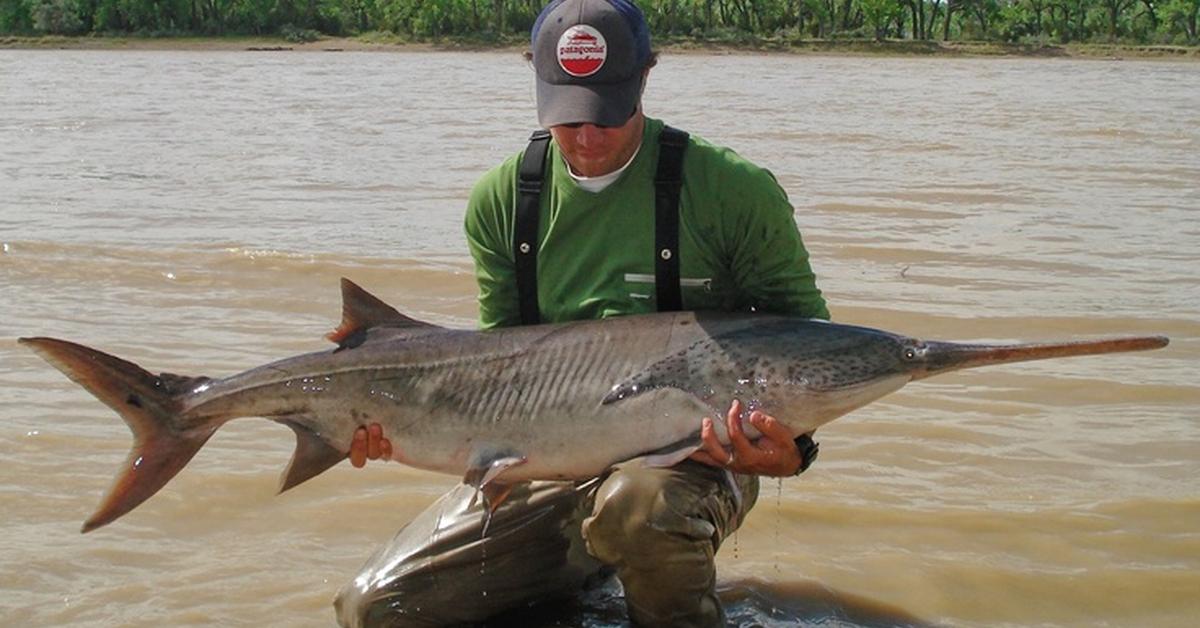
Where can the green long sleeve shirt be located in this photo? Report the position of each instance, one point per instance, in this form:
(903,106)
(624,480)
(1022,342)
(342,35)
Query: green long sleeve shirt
(739,248)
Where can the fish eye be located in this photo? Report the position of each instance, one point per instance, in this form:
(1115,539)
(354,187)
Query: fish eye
(910,354)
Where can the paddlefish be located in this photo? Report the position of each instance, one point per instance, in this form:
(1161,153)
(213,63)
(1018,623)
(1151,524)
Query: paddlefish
(561,401)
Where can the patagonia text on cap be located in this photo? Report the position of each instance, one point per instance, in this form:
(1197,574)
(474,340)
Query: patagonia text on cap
(589,56)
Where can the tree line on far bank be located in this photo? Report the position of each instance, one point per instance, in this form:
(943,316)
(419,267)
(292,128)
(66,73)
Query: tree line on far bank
(721,21)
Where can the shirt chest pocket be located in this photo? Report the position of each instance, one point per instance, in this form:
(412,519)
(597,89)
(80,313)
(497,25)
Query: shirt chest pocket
(641,286)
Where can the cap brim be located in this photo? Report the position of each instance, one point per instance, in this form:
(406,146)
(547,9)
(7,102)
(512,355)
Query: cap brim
(609,104)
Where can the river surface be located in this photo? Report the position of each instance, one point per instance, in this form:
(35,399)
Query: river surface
(193,211)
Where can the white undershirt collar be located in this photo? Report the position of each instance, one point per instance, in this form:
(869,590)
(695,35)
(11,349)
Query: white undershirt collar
(597,184)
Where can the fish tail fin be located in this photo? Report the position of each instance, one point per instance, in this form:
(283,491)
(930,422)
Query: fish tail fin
(150,405)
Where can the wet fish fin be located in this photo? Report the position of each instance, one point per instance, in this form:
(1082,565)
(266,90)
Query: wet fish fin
(670,372)
(672,454)
(311,458)
(150,406)
(484,469)
(494,494)
(500,466)
(487,464)
(361,311)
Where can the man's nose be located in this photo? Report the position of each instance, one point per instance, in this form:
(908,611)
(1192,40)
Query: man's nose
(589,135)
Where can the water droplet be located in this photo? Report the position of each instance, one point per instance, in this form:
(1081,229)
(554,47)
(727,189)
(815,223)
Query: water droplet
(778,516)
(32,433)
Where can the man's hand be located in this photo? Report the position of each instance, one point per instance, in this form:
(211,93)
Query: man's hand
(774,454)
(369,443)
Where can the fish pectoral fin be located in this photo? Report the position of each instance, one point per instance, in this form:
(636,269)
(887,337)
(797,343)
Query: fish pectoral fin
(361,311)
(670,372)
(311,458)
(673,454)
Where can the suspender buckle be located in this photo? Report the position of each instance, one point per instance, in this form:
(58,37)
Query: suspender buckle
(525,186)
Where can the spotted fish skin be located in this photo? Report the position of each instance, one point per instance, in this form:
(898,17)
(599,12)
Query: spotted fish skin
(768,363)
(557,401)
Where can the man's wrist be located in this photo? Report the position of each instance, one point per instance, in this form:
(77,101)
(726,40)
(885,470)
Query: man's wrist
(808,449)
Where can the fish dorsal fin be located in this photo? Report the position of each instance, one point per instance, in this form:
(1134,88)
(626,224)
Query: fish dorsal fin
(362,311)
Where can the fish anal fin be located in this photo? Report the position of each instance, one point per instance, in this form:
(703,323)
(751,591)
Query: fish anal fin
(311,458)
(362,311)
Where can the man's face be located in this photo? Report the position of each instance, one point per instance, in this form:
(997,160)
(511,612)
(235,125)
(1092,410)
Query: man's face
(593,150)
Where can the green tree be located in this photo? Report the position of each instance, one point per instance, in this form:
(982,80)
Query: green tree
(824,14)
(57,17)
(15,17)
(1180,16)
(1114,10)
(730,20)
(984,13)
(1069,19)
(880,14)
(951,7)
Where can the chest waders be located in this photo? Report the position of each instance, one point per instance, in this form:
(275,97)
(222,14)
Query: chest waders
(668,179)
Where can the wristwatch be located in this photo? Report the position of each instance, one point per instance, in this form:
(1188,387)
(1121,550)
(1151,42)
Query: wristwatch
(809,449)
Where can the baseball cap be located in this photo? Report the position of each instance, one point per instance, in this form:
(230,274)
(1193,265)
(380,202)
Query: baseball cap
(589,56)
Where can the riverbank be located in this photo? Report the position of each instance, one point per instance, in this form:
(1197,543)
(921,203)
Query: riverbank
(385,43)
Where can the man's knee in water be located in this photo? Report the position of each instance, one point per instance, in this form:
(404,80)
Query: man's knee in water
(634,521)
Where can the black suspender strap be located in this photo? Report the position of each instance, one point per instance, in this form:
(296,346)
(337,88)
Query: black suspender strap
(667,182)
(525,230)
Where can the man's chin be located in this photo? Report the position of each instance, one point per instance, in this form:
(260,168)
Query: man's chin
(592,167)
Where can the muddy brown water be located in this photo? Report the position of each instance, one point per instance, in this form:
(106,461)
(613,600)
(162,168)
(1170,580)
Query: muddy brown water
(192,211)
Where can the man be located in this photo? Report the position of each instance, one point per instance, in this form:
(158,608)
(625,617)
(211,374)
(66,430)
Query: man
(595,248)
